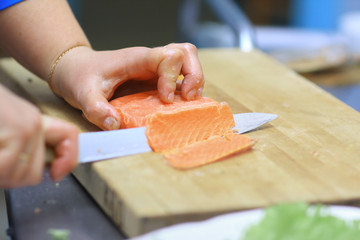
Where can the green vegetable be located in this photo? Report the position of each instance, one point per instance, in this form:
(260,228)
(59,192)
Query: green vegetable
(59,234)
(301,222)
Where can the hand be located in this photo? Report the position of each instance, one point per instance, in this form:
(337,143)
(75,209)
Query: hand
(23,134)
(87,79)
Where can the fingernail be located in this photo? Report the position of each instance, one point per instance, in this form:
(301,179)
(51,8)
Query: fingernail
(171,97)
(191,94)
(111,123)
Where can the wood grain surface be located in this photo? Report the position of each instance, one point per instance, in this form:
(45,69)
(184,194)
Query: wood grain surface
(309,153)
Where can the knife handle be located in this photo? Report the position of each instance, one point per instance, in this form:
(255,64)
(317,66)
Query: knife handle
(49,155)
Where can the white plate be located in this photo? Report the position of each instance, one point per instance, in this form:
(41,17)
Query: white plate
(229,226)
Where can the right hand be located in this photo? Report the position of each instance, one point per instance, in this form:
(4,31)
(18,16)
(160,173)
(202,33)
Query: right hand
(23,134)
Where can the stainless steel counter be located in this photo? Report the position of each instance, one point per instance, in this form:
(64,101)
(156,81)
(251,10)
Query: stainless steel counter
(64,205)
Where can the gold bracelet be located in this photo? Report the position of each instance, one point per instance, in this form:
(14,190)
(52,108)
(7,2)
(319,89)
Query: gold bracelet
(53,66)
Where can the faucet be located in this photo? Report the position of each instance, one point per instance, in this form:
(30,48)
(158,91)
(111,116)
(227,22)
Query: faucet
(236,27)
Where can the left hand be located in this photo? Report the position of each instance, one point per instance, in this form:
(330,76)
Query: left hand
(87,79)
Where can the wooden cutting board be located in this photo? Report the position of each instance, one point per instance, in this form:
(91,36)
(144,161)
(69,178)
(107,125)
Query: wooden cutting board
(310,153)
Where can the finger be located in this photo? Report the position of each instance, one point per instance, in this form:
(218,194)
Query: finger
(97,110)
(193,82)
(24,165)
(168,71)
(11,152)
(34,166)
(23,161)
(64,138)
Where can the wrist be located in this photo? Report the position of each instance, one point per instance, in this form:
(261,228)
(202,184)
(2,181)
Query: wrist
(63,66)
(58,59)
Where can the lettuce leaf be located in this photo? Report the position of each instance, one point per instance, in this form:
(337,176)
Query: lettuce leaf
(299,221)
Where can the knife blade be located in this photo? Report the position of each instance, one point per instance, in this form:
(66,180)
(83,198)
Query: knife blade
(102,145)
(245,122)
(94,146)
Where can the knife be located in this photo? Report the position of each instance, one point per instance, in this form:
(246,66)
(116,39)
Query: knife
(102,145)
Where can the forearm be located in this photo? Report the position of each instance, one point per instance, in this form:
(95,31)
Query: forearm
(36,32)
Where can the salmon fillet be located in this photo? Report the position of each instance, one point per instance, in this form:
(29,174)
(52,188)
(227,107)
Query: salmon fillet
(134,109)
(188,133)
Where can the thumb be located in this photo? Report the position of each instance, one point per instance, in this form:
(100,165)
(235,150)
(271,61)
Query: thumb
(100,112)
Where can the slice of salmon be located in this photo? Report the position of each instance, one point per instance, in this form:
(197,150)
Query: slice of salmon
(180,127)
(135,109)
(208,151)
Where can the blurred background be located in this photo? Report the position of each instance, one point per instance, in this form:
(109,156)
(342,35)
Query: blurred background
(319,39)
